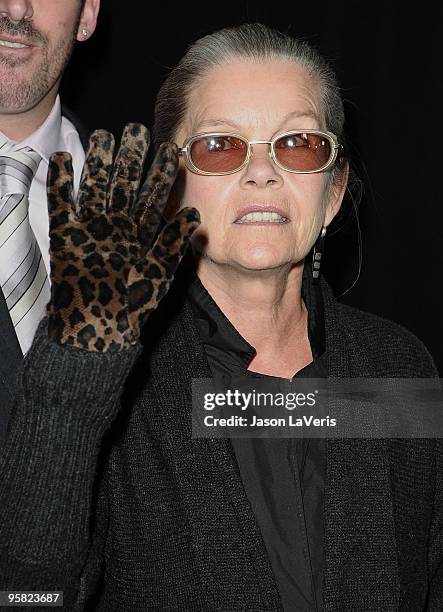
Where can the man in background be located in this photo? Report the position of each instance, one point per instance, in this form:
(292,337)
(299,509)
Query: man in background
(36,41)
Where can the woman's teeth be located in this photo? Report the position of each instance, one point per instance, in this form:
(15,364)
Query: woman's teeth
(273,217)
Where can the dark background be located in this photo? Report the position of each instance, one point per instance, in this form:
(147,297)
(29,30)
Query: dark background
(388,58)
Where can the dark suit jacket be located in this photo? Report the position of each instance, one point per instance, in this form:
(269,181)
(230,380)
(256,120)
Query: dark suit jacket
(11,357)
(171,528)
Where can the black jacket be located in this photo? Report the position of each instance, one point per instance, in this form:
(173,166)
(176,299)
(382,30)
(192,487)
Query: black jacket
(11,357)
(168,526)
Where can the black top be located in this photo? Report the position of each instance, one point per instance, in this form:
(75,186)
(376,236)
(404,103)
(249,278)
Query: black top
(283,478)
(171,527)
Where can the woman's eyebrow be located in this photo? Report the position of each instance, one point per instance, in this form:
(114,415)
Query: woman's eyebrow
(219,121)
(213,121)
(297,114)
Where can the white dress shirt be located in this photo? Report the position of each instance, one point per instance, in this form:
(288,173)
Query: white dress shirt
(57,133)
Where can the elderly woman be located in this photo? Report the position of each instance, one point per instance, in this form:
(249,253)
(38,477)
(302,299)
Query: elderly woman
(120,507)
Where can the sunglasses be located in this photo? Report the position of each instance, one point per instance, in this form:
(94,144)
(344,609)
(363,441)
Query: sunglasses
(299,151)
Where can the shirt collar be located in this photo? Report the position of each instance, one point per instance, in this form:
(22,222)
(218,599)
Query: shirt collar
(218,335)
(45,140)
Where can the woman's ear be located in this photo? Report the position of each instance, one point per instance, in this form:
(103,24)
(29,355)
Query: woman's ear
(337,191)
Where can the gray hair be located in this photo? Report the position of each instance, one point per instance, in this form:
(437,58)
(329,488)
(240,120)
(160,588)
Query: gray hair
(256,42)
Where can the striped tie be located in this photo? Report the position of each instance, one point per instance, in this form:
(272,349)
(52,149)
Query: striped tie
(23,278)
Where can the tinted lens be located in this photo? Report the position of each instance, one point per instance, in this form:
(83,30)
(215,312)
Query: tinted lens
(218,153)
(303,152)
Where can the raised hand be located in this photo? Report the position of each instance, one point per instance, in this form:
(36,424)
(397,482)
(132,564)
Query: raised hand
(107,273)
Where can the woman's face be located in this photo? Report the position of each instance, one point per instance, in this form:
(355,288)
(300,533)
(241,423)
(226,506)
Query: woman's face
(257,100)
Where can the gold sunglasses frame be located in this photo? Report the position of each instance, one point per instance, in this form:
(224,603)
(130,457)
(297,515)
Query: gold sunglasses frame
(184,151)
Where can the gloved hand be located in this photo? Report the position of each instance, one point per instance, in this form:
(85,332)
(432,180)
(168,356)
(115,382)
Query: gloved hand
(107,274)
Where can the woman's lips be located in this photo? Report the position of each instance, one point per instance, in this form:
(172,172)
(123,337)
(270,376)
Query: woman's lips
(257,214)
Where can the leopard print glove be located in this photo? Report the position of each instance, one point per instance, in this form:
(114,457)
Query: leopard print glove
(107,274)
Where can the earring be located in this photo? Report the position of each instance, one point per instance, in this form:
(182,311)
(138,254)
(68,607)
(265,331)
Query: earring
(317,255)
(85,33)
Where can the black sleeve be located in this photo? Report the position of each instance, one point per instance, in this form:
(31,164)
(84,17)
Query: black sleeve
(92,573)
(50,537)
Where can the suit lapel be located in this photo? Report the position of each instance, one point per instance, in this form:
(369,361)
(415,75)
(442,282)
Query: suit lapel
(10,362)
(360,547)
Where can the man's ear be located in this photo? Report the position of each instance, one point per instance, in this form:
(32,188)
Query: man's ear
(337,192)
(88,19)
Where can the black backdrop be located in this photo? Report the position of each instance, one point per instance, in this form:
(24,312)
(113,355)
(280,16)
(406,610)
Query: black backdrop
(388,60)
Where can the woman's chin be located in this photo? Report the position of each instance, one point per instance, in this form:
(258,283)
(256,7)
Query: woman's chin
(262,258)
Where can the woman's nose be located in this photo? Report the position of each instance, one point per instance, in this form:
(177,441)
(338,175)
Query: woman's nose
(16,10)
(261,170)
